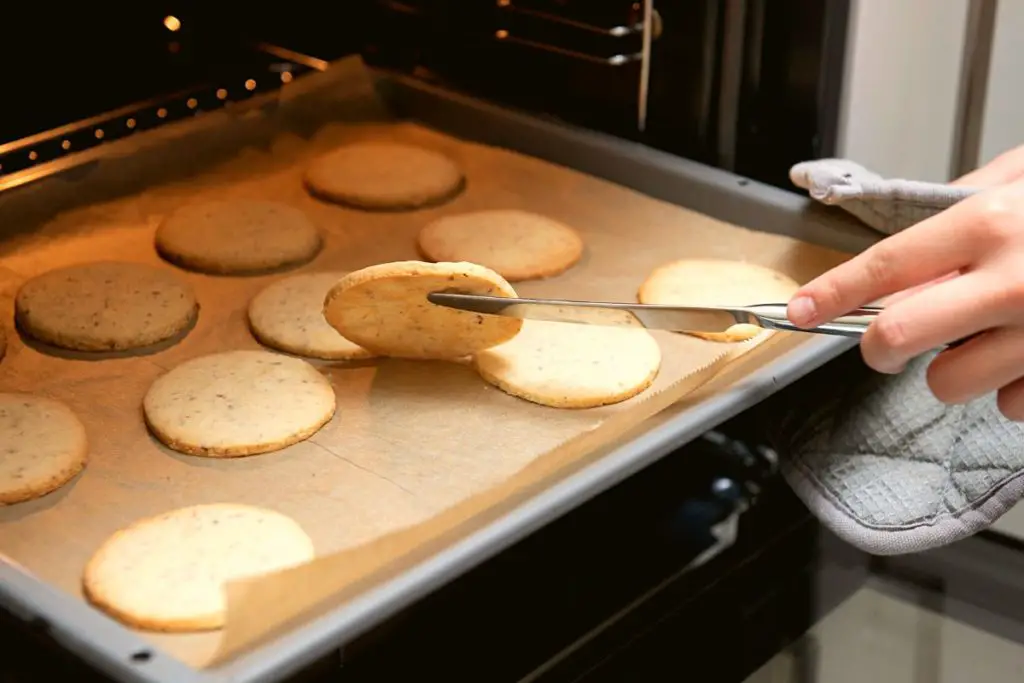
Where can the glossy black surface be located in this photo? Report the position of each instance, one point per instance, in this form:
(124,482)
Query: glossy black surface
(577,62)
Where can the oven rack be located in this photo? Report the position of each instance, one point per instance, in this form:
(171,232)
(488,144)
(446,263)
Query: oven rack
(37,156)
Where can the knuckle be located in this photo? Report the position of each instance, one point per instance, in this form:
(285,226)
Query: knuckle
(879,267)
(890,334)
(997,216)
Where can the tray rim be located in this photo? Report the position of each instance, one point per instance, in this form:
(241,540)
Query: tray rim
(109,646)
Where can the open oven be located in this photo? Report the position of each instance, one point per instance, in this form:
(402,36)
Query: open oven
(675,552)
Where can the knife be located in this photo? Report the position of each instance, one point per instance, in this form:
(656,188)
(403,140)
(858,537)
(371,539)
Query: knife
(703,322)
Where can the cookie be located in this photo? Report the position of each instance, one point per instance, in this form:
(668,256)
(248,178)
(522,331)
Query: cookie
(238,403)
(169,572)
(42,446)
(709,282)
(568,365)
(237,237)
(289,316)
(515,244)
(384,309)
(384,176)
(105,306)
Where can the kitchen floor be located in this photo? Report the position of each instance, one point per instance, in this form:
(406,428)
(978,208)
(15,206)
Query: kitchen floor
(880,638)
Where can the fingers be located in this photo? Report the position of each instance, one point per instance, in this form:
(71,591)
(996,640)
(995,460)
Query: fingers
(932,248)
(981,366)
(932,317)
(899,296)
(1011,401)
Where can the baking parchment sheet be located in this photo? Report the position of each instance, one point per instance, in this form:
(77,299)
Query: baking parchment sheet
(416,448)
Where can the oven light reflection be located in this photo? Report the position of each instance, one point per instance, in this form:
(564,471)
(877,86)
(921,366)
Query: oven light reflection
(172,23)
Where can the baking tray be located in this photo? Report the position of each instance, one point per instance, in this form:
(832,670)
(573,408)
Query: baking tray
(125,655)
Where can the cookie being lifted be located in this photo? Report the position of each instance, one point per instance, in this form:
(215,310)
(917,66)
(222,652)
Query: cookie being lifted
(384,309)
(711,282)
(105,306)
(237,237)
(518,245)
(238,403)
(42,446)
(289,316)
(384,176)
(567,365)
(169,572)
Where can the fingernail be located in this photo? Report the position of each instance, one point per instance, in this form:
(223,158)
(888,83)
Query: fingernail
(802,311)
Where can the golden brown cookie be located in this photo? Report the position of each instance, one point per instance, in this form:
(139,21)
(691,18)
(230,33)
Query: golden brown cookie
(42,446)
(517,245)
(289,316)
(237,403)
(105,306)
(384,309)
(237,237)
(568,365)
(384,176)
(711,282)
(169,572)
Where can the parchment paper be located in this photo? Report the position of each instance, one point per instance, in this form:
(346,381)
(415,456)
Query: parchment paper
(426,449)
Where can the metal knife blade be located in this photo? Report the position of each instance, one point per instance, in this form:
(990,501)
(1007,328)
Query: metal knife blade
(698,321)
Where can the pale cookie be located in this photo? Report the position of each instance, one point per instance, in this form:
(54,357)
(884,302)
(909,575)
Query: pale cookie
(105,306)
(515,244)
(568,365)
(384,308)
(384,176)
(289,316)
(42,446)
(170,572)
(708,282)
(237,237)
(238,403)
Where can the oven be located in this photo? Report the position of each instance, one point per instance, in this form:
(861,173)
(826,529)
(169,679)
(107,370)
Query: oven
(680,553)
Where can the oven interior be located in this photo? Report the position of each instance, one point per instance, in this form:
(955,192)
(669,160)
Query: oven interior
(704,562)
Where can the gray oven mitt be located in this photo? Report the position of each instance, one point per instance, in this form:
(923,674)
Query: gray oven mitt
(886,205)
(889,468)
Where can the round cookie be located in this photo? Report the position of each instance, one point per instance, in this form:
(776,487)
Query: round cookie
(289,316)
(169,572)
(237,237)
(42,446)
(515,244)
(384,176)
(710,282)
(238,403)
(105,306)
(568,365)
(384,309)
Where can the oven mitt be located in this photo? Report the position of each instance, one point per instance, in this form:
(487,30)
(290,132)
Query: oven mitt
(884,204)
(889,468)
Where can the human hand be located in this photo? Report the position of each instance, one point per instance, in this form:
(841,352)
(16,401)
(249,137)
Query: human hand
(958,273)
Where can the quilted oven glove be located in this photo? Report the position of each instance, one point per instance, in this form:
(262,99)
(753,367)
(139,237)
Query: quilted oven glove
(884,204)
(877,458)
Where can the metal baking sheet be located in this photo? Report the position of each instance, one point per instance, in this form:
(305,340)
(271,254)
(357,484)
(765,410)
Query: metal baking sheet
(117,649)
